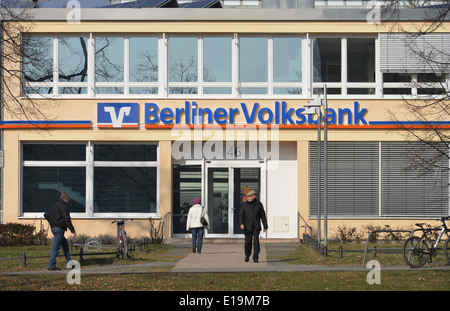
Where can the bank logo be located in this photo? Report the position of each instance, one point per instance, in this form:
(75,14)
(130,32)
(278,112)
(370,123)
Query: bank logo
(117,115)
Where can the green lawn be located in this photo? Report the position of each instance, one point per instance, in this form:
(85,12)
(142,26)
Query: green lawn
(410,280)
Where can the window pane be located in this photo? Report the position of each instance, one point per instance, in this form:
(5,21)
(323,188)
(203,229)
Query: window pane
(353,179)
(60,152)
(109,59)
(183,56)
(144,59)
(72,59)
(125,189)
(187,185)
(396,77)
(43,185)
(217,59)
(38,59)
(73,90)
(253,90)
(287,91)
(414,179)
(327,60)
(287,59)
(183,90)
(125,153)
(143,90)
(361,59)
(109,90)
(253,62)
(217,90)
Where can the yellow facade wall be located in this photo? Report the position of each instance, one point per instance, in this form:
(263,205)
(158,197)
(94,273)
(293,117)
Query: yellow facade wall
(85,109)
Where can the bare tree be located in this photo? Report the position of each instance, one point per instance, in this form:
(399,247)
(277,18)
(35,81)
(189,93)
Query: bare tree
(428,111)
(16,22)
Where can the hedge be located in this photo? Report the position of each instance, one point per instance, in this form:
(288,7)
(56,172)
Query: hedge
(16,234)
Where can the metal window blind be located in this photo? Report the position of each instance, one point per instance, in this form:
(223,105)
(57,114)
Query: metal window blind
(407,192)
(353,170)
(400,52)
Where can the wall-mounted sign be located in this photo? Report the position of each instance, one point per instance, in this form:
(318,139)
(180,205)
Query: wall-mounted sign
(117,115)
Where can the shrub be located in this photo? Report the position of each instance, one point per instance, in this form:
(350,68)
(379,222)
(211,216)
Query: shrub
(347,234)
(16,234)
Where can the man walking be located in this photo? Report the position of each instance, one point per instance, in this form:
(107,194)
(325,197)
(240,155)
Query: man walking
(58,216)
(250,217)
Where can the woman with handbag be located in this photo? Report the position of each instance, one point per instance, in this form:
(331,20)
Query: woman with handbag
(197,220)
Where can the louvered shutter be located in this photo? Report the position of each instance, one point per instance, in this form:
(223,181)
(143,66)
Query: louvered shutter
(400,52)
(353,170)
(407,192)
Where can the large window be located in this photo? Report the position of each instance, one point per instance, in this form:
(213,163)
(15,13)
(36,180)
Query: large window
(193,65)
(56,65)
(346,65)
(370,179)
(117,180)
(217,65)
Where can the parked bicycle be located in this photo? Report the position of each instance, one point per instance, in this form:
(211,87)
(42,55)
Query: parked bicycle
(122,241)
(417,251)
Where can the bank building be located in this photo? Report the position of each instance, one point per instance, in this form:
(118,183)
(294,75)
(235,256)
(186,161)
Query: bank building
(146,105)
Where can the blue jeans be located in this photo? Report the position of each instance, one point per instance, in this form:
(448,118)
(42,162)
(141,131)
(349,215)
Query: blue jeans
(197,238)
(58,241)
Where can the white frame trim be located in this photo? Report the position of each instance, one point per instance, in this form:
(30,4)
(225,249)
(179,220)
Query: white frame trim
(231,164)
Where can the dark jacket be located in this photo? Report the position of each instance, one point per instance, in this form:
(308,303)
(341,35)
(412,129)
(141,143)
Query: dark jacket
(251,215)
(58,215)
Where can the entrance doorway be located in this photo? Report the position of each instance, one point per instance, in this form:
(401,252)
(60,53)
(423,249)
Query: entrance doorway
(224,185)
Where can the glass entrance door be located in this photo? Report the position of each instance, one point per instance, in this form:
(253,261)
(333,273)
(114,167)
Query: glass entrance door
(225,183)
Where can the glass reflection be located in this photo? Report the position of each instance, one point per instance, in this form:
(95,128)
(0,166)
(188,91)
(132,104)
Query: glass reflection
(217,59)
(287,59)
(143,59)
(183,59)
(109,59)
(125,189)
(38,59)
(72,59)
(253,59)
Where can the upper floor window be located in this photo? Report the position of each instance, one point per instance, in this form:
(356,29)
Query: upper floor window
(346,65)
(226,65)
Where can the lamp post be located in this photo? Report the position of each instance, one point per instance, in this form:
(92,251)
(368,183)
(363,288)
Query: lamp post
(312,108)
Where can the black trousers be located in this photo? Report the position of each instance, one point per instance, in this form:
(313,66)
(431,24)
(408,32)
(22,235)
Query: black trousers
(249,238)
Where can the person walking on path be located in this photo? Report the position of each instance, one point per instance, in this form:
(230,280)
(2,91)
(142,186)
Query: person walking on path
(58,216)
(196,221)
(250,217)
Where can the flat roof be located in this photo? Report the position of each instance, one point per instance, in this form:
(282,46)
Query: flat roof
(221,14)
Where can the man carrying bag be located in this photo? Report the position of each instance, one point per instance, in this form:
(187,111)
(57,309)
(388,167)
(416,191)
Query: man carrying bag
(58,216)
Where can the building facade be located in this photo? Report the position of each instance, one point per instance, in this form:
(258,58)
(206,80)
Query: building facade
(145,109)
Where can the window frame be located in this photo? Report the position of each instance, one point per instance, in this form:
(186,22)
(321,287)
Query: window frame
(344,85)
(90,165)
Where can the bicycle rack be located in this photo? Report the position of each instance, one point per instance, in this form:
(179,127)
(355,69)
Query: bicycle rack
(382,249)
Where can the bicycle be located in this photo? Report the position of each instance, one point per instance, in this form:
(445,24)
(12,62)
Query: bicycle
(122,241)
(417,251)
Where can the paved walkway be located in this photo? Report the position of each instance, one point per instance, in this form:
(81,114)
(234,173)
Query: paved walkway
(220,257)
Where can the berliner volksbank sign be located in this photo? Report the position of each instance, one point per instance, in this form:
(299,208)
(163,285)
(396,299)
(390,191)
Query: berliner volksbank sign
(253,113)
(119,115)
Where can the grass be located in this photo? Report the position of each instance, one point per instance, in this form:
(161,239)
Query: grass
(284,282)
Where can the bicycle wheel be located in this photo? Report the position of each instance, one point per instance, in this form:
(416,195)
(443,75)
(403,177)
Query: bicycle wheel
(416,252)
(447,249)
(124,245)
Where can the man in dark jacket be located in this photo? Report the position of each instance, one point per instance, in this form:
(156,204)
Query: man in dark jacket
(250,217)
(58,216)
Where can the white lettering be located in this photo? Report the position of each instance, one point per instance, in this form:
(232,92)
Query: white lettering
(117,120)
